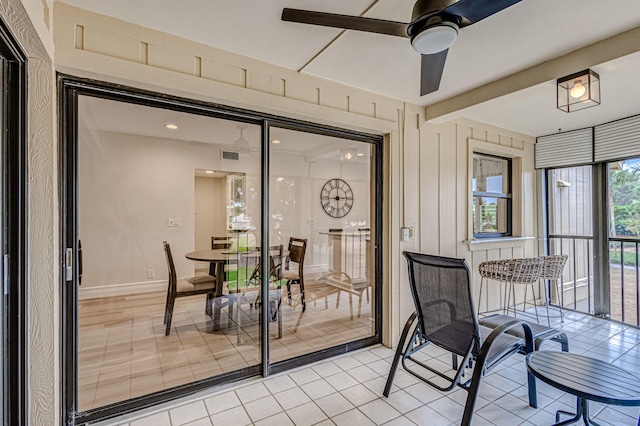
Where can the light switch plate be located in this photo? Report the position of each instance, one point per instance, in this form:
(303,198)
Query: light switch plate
(174,222)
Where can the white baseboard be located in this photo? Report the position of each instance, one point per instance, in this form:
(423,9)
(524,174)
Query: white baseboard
(125,289)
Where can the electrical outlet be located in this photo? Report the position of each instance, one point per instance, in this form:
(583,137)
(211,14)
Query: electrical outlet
(151,273)
(174,222)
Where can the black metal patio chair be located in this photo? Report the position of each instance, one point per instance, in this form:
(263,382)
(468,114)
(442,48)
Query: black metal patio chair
(445,316)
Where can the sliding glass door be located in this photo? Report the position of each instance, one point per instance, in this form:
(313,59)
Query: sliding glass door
(321,200)
(4,67)
(12,230)
(157,295)
(209,246)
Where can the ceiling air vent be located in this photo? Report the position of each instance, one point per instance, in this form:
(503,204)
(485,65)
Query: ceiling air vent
(230,155)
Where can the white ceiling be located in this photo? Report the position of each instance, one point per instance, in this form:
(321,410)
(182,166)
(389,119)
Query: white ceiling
(526,34)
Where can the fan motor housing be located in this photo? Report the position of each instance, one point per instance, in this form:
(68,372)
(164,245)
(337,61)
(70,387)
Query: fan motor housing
(426,8)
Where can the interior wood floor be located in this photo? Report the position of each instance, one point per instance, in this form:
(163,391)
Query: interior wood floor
(123,351)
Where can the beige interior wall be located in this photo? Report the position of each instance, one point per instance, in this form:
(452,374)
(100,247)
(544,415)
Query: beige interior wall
(211,210)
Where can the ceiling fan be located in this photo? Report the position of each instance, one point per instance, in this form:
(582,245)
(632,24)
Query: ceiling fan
(433,28)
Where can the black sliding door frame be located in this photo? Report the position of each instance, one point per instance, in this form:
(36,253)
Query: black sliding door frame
(70,88)
(14,228)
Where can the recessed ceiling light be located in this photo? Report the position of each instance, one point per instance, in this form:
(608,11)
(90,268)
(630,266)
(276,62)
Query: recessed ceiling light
(171,126)
(275,142)
(209,172)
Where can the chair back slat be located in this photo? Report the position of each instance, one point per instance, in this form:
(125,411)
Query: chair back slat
(442,295)
(297,248)
(220,243)
(275,262)
(173,280)
(554,266)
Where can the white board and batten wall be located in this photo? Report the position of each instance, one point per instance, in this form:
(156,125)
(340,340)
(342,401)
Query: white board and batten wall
(444,184)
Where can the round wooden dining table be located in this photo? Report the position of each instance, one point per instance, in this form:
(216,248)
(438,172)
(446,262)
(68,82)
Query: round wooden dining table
(217,258)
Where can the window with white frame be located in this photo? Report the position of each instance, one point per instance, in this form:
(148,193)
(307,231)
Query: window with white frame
(492,200)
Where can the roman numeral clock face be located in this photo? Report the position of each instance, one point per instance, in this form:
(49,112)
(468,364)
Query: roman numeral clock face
(336,198)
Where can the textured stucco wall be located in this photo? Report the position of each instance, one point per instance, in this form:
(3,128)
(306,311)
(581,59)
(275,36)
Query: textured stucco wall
(42,279)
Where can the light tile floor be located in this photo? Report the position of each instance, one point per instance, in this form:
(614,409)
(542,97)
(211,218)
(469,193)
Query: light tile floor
(123,351)
(347,390)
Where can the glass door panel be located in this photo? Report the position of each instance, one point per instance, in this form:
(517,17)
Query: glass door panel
(4,76)
(571,232)
(321,204)
(147,176)
(624,239)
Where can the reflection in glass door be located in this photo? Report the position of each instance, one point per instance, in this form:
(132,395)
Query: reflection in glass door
(624,240)
(169,211)
(322,215)
(182,286)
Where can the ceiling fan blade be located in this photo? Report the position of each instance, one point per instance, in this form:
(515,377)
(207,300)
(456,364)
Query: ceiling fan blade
(347,22)
(477,10)
(431,71)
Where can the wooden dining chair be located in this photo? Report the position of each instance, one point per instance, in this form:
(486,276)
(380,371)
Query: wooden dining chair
(183,288)
(220,243)
(274,293)
(297,249)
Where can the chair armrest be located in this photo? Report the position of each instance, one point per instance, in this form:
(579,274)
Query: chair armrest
(502,329)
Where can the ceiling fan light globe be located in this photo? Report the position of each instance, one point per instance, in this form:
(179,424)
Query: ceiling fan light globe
(435,39)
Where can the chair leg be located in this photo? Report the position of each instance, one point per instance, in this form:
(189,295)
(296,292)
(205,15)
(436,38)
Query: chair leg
(279,319)
(480,295)
(560,301)
(169,315)
(351,306)
(208,303)
(398,355)
(533,392)
(216,313)
(473,392)
(166,306)
(230,301)
(304,303)
(535,305)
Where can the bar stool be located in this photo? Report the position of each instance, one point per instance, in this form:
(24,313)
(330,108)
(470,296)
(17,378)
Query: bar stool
(552,270)
(512,272)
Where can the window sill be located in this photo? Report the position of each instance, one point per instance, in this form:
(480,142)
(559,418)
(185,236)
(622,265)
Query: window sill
(500,242)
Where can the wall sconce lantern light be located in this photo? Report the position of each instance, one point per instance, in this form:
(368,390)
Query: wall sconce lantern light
(578,91)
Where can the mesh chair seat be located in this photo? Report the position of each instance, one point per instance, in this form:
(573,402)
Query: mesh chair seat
(540,332)
(503,346)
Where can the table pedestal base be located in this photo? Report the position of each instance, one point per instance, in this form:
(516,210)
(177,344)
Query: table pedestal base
(582,412)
